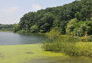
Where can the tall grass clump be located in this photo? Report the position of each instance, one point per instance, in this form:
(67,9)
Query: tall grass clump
(54,33)
(83,49)
(60,44)
(86,38)
(71,45)
(50,44)
(57,42)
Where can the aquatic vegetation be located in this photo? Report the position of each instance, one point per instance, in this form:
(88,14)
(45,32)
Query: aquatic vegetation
(71,45)
(23,53)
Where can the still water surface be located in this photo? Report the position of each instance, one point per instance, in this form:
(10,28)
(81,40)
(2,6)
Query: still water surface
(10,38)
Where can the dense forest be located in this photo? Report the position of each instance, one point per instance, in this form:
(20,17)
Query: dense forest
(73,18)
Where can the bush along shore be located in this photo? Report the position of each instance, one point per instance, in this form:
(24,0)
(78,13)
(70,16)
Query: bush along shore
(69,44)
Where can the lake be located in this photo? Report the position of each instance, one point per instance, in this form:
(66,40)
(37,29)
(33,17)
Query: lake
(10,38)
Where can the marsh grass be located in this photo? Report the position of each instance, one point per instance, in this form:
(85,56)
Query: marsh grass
(71,45)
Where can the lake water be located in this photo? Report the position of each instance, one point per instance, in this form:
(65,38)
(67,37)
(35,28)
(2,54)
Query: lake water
(10,38)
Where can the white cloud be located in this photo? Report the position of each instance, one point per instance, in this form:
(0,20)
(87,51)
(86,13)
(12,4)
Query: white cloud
(36,7)
(8,15)
(12,9)
(9,10)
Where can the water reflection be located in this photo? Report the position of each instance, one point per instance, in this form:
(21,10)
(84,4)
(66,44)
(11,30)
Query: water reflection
(10,38)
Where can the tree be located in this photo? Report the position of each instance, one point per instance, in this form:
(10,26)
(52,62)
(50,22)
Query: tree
(71,26)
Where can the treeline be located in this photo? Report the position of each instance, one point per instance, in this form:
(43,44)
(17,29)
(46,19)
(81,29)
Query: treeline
(67,19)
(6,27)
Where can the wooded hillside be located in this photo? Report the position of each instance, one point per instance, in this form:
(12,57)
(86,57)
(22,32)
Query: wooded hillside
(57,17)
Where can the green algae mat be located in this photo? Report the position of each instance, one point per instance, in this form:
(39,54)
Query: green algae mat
(23,53)
(35,54)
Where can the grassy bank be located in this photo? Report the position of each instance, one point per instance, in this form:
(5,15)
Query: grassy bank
(69,44)
(23,53)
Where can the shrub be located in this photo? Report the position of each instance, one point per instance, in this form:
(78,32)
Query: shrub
(54,33)
(59,42)
(69,45)
(34,29)
(71,26)
(83,48)
(77,49)
(86,39)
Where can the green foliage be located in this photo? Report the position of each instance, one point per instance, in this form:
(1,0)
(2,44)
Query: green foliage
(16,27)
(57,43)
(86,38)
(34,28)
(54,33)
(77,49)
(79,16)
(80,49)
(46,23)
(81,28)
(70,45)
(54,17)
(6,27)
(71,26)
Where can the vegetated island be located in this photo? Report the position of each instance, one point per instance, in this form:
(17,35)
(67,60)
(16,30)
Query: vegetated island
(68,27)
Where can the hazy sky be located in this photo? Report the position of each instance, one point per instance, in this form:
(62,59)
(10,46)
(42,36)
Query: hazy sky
(12,10)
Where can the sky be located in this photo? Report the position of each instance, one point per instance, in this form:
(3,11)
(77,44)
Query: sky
(12,10)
